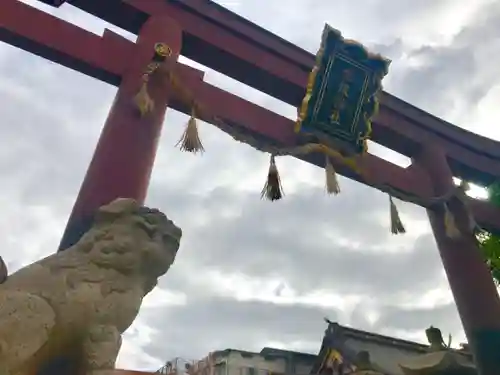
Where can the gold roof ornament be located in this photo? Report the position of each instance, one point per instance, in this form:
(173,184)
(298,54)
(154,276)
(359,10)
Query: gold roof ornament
(440,360)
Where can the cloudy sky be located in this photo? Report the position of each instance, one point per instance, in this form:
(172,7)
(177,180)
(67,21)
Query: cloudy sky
(249,273)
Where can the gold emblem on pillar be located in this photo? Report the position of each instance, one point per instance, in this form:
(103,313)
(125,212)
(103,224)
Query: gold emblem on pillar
(163,50)
(142,99)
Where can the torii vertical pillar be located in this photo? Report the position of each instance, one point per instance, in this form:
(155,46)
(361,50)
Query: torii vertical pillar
(470,280)
(123,160)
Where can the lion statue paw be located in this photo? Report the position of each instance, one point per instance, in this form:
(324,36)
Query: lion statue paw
(65,314)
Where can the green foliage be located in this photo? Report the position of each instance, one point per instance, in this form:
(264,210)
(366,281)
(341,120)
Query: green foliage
(490,246)
(489,242)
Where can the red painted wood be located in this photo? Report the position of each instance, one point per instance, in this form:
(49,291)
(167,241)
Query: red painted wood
(470,280)
(399,129)
(300,57)
(108,55)
(410,137)
(51,37)
(247,29)
(280,129)
(124,157)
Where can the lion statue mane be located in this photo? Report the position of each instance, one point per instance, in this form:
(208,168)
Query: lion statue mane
(66,312)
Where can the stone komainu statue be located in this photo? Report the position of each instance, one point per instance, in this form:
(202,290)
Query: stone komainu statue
(72,307)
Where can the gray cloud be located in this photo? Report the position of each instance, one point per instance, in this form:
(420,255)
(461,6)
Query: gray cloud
(333,239)
(459,72)
(411,319)
(233,326)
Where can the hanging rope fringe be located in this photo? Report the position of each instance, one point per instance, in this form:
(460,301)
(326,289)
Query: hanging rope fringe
(142,100)
(272,190)
(332,184)
(190,140)
(450,226)
(397,226)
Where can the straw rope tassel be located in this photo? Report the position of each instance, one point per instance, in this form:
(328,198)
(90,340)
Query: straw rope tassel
(142,100)
(190,140)
(397,226)
(332,184)
(272,190)
(449,224)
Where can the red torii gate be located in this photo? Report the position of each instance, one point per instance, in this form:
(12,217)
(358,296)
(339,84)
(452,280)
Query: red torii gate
(219,39)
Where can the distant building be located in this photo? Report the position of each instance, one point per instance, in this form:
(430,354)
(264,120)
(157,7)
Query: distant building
(268,361)
(343,351)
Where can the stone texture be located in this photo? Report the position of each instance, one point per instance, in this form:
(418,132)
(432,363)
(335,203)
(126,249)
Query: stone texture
(75,304)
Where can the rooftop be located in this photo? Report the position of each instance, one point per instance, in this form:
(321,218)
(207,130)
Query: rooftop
(386,353)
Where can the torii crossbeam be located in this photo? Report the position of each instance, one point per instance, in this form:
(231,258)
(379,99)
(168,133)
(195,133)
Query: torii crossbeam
(219,39)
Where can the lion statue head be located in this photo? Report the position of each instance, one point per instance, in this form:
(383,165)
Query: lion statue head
(133,240)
